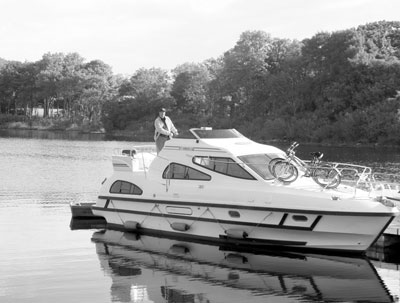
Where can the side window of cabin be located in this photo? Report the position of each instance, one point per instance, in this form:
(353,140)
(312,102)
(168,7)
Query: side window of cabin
(261,163)
(221,165)
(183,172)
(123,187)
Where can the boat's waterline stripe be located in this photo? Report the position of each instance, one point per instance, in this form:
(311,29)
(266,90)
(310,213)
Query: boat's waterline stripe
(258,208)
(222,239)
(211,220)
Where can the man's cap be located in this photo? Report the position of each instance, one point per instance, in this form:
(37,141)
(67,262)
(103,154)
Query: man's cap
(162,109)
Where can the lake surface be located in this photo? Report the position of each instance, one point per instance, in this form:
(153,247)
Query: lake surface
(46,257)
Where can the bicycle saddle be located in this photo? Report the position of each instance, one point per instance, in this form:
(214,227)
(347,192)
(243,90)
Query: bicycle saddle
(317,155)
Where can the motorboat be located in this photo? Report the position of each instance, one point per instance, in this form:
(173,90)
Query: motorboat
(154,269)
(217,185)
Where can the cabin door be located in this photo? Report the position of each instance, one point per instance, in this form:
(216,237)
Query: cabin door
(184,181)
(185,189)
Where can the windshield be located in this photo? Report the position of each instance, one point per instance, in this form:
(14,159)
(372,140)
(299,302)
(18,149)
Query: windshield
(260,163)
(216,133)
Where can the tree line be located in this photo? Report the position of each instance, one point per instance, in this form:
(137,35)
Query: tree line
(76,88)
(342,86)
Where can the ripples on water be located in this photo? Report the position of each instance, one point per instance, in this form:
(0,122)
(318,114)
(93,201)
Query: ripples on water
(46,257)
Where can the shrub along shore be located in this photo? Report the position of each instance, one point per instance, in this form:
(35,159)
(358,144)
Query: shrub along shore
(145,132)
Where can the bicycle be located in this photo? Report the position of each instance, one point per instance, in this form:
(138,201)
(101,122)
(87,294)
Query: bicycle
(286,170)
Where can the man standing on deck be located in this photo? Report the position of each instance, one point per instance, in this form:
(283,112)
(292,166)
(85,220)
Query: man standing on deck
(164,129)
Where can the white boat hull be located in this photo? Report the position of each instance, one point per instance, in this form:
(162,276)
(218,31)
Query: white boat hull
(256,226)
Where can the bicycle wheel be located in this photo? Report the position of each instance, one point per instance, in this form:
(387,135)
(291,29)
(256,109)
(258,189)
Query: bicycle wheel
(326,176)
(285,171)
(271,165)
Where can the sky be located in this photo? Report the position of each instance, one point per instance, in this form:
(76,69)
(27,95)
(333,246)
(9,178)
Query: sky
(133,34)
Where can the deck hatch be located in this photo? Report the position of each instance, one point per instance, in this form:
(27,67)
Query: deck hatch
(234,214)
(179,210)
(299,218)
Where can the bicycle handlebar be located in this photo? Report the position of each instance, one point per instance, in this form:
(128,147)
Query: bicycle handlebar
(292,147)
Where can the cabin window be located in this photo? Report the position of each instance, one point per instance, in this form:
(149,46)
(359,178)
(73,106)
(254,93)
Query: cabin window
(234,214)
(260,163)
(123,187)
(183,172)
(221,165)
(299,218)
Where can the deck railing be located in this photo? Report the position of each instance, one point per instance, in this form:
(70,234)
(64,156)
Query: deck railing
(383,185)
(141,156)
(361,179)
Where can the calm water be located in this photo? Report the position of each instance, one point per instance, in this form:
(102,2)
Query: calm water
(46,257)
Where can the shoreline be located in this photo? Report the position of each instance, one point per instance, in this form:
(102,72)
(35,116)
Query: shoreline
(147,137)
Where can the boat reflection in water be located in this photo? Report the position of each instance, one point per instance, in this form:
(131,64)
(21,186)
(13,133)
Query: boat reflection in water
(152,269)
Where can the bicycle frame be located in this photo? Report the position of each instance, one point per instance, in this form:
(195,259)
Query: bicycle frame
(288,169)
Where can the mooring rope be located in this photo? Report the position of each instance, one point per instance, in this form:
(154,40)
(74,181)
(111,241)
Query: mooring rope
(112,202)
(223,228)
(148,214)
(194,221)
(156,205)
(270,213)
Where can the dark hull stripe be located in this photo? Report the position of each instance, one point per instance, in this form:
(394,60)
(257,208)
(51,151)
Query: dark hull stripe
(228,243)
(258,208)
(283,219)
(253,241)
(212,220)
(316,222)
(224,238)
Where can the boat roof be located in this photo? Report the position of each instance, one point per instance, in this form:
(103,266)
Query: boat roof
(220,141)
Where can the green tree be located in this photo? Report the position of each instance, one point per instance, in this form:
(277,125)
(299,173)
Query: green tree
(27,86)
(70,84)
(49,78)
(98,87)
(244,67)
(327,63)
(138,99)
(190,89)
(378,42)
(12,86)
(2,62)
